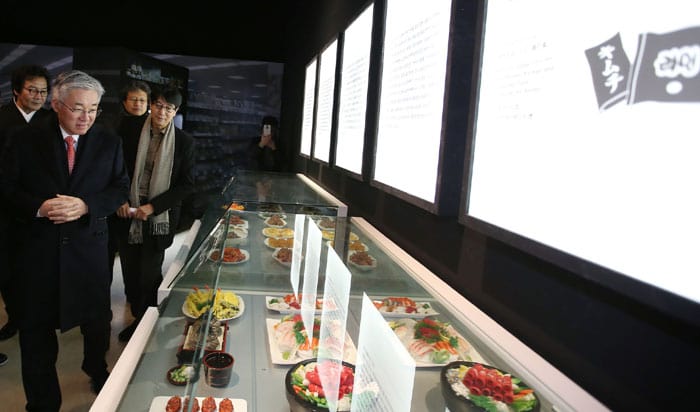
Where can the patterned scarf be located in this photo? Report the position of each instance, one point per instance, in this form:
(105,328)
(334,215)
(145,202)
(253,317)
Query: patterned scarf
(159,183)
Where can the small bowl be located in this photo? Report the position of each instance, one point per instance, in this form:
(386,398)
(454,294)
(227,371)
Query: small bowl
(297,404)
(458,403)
(190,370)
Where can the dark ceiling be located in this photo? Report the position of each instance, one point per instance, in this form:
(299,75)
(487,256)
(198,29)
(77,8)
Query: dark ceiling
(252,30)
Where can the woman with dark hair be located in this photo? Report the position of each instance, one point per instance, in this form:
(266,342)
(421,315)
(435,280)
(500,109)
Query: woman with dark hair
(265,151)
(160,161)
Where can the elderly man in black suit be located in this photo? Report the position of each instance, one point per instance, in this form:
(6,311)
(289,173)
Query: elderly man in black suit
(61,180)
(30,88)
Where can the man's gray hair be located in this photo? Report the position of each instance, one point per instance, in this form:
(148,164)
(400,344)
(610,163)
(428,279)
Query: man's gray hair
(75,79)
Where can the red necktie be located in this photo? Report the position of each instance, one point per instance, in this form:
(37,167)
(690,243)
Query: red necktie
(70,150)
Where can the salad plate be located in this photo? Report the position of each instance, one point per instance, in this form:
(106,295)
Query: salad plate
(470,386)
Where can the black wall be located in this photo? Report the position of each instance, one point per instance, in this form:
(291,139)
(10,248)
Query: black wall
(616,348)
(627,355)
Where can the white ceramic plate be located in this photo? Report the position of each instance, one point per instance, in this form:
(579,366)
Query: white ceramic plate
(423,309)
(268,222)
(276,354)
(331,228)
(278,232)
(160,402)
(365,248)
(283,308)
(241,306)
(274,256)
(364,268)
(267,242)
(243,224)
(420,363)
(239,232)
(265,215)
(243,251)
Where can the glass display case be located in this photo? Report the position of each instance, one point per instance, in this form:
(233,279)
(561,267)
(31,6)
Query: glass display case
(239,266)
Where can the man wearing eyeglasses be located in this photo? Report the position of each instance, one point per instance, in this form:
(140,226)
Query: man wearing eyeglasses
(30,87)
(160,159)
(61,179)
(134,97)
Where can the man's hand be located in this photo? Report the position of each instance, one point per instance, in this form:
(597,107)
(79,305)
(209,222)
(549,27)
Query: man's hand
(143,212)
(62,209)
(123,211)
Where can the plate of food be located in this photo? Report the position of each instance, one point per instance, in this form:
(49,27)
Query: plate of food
(274,242)
(290,303)
(330,235)
(278,232)
(203,404)
(235,220)
(267,215)
(471,386)
(326,223)
(362,260)
(275,221)
(227,304)
(433,343)
(283,255)
(215,340)
(236,233)
(303,380)
(354,246)
(285,334)
(236,206)
(232,255)
(401,306)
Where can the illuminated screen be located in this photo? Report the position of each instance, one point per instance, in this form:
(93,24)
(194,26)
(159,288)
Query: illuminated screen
(324,110)
(586,133)
(353,93)
(308,119)
(412,93)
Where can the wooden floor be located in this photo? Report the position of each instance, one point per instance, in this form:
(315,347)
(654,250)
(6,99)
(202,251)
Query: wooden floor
(75,384)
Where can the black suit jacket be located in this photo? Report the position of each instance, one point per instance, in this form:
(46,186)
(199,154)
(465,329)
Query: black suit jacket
(11,121)
(181,179)
(62,268)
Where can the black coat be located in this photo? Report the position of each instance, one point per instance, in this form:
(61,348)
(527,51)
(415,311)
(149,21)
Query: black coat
(62,268)
(11,121)
(181,179)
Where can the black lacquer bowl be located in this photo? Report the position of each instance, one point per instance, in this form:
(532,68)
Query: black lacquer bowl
(456,402)
(297,403)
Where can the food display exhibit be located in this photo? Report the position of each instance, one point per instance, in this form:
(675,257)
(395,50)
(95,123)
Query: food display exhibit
(253,313)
